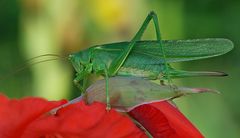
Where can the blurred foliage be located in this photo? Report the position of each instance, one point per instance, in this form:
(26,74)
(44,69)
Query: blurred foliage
(29,28)
(10,57)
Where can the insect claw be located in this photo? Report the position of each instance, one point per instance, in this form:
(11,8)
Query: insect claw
(55,110)
(108,108)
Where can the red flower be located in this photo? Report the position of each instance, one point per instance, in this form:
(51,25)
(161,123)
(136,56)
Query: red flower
(163,120)
(27,118)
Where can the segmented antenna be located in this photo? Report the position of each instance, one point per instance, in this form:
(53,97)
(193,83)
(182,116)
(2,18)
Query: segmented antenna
(45,55)
(33,61)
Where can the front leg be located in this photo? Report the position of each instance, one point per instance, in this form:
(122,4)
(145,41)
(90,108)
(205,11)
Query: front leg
(83,76)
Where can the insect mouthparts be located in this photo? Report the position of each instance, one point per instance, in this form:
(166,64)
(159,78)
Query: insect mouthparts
(70,57)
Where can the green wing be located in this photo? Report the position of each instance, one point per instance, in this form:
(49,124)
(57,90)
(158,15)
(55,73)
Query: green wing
(148,52)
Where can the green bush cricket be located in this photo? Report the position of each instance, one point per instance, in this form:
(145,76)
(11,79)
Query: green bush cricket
(145,59)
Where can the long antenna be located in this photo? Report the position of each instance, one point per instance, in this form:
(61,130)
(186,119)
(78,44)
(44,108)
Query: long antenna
(45,55)
(31,62)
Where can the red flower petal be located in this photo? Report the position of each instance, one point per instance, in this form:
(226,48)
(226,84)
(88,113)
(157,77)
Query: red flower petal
(16,115)
(81,120)
(26,118)
(163,120)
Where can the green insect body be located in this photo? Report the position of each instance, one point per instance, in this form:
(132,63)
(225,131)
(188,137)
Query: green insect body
(145,59)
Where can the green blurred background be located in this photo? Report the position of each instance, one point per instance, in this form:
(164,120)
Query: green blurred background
(29,28)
